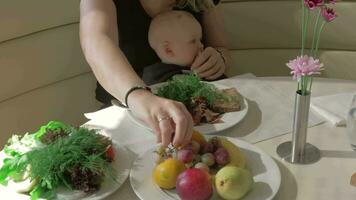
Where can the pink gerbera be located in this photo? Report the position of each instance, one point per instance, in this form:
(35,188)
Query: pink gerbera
(312,4)
(304,66)
(329,14)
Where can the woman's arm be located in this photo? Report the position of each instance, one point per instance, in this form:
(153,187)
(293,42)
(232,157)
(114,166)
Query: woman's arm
(216,58)
(99,40)
(215,32)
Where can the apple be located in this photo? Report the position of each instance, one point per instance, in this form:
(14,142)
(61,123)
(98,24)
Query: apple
(233,182)
(194,184)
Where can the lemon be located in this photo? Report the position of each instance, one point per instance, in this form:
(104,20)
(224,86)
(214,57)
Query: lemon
(165,174)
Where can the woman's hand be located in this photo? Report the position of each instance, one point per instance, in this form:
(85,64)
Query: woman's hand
(170,120)
(209,64)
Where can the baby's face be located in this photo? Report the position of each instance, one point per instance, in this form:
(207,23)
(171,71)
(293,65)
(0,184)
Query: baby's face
(186,43)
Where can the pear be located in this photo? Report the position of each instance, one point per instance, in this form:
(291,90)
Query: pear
(236,157)
(233,182)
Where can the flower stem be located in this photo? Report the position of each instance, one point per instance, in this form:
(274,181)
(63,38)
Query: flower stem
(318,39)
(310,84)
(315,30)
(306,23)
(303,21)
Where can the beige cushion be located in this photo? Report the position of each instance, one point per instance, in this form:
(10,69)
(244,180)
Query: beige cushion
(65,101)
(22,17)
(44,75)
(40,59)
(266,34)
(272,62)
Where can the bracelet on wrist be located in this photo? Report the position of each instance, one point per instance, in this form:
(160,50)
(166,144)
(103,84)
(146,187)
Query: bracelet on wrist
(133,89)
(221,54)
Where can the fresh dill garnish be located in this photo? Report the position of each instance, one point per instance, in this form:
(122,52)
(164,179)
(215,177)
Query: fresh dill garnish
(183,88)
(77,161)
(53,163)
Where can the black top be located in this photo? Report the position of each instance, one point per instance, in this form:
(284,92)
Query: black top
(133,25)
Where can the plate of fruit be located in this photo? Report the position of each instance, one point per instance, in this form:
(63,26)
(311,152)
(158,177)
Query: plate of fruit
(214,167)
(213,107)
(60,161)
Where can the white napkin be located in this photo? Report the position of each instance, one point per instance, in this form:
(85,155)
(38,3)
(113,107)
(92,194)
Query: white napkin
(333,108)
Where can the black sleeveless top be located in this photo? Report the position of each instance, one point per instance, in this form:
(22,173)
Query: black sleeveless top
(133,24)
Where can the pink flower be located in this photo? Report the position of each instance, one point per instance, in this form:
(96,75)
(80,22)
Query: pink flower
(304,66)
(312,4)
(329,14)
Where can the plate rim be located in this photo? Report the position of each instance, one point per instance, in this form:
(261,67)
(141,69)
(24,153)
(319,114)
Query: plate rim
(275,166)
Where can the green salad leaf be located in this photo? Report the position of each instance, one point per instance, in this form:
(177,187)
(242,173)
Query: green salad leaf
(54,126)
(76,160)
(183,88)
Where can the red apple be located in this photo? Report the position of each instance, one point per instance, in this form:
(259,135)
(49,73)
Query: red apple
(194,184)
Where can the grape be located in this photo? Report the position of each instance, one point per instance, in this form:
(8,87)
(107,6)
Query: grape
(195,146)
(185,155)
(215,142)
(222,156)
(208,159)
(207,148)
(202,166)
(197,158)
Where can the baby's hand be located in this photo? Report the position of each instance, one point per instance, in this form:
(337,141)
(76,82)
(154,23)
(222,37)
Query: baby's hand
(209,64)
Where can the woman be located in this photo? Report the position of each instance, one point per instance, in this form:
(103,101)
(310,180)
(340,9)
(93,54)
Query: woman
(113,36)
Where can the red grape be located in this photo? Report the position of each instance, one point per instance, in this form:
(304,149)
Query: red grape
(222,157)
(185,155)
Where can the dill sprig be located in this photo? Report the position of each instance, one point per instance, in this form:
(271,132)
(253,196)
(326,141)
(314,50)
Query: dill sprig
(77,161)
(52,163)
(183,88)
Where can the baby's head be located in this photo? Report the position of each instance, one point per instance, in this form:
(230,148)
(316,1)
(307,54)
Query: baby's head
(176,37)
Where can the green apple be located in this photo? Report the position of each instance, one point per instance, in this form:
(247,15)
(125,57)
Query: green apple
(233,182)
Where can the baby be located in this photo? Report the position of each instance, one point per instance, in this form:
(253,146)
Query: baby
(176,37)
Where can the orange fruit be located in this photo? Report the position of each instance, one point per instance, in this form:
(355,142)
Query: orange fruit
(165,174)
(198,137)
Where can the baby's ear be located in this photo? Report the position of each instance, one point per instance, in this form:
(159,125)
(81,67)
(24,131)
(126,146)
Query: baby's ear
(167,48)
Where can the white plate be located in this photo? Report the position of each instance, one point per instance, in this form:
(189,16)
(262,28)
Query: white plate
(121,166)
(266,175)
(228,119)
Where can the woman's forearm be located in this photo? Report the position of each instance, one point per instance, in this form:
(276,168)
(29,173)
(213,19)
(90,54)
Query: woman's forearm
(99,41)
(226,55)
(215,33)
(109,65)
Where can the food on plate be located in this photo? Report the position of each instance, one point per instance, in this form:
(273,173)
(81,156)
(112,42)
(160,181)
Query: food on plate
(191,169)
(204,101)
(194,184)
(236,157)
(57,155)
(165,174)
(233,182)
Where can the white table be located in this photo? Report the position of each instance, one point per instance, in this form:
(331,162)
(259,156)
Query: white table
(328,179)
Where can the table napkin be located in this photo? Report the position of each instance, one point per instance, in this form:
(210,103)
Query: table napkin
(333,108)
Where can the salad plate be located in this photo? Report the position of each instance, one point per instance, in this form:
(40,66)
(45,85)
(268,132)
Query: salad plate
(120,165)
(227,120)
(266,175)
